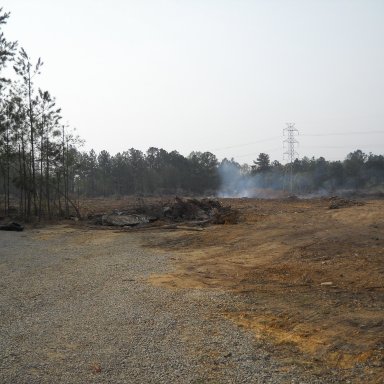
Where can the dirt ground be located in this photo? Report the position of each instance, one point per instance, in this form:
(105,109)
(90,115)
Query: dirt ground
(308,278)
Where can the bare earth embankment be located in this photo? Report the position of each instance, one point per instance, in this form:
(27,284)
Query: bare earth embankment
(291,294)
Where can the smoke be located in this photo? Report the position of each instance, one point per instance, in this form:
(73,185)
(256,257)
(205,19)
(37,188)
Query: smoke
(236,183)
(233,183)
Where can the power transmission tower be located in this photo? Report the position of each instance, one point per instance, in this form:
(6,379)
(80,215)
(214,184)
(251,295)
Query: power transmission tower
(289,144)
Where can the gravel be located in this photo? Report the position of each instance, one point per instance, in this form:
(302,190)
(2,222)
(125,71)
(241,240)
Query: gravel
(75,307)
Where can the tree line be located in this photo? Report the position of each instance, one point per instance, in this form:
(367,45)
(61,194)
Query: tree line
(358,171)
(35,147)
(158,172)
(43,172)
(155,172)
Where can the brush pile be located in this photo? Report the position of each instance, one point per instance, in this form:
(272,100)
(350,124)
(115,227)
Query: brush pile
(337,203)
(191,212)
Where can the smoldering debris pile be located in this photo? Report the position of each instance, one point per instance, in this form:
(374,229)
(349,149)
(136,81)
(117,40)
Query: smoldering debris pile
(190,212)
(336,202)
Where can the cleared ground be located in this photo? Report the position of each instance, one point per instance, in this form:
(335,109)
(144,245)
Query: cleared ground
(309,278)
(76,307)
(291,294)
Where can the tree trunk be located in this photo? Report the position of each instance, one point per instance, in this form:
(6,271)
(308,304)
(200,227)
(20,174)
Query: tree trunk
(41,178)
(32,138)
(47,177)
(21,208)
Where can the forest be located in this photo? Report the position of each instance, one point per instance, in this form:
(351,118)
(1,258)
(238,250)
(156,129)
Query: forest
(44,172)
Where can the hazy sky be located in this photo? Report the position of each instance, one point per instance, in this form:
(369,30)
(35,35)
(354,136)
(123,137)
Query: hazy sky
(208,75)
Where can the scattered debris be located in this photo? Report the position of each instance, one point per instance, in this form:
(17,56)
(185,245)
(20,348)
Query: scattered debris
(337,202)
(96,368)
(122,219)
(11,227)
(171,226)
(293,198)
(194,212)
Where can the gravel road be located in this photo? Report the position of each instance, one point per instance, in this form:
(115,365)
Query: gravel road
(75,307)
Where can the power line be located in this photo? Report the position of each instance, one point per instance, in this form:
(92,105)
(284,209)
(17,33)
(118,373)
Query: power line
(291,131)
(257,153)
(249,143)
(290,141)
(344,133)
(340,146)
(303,135)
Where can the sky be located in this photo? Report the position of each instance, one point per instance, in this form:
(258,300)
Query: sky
(208,75)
